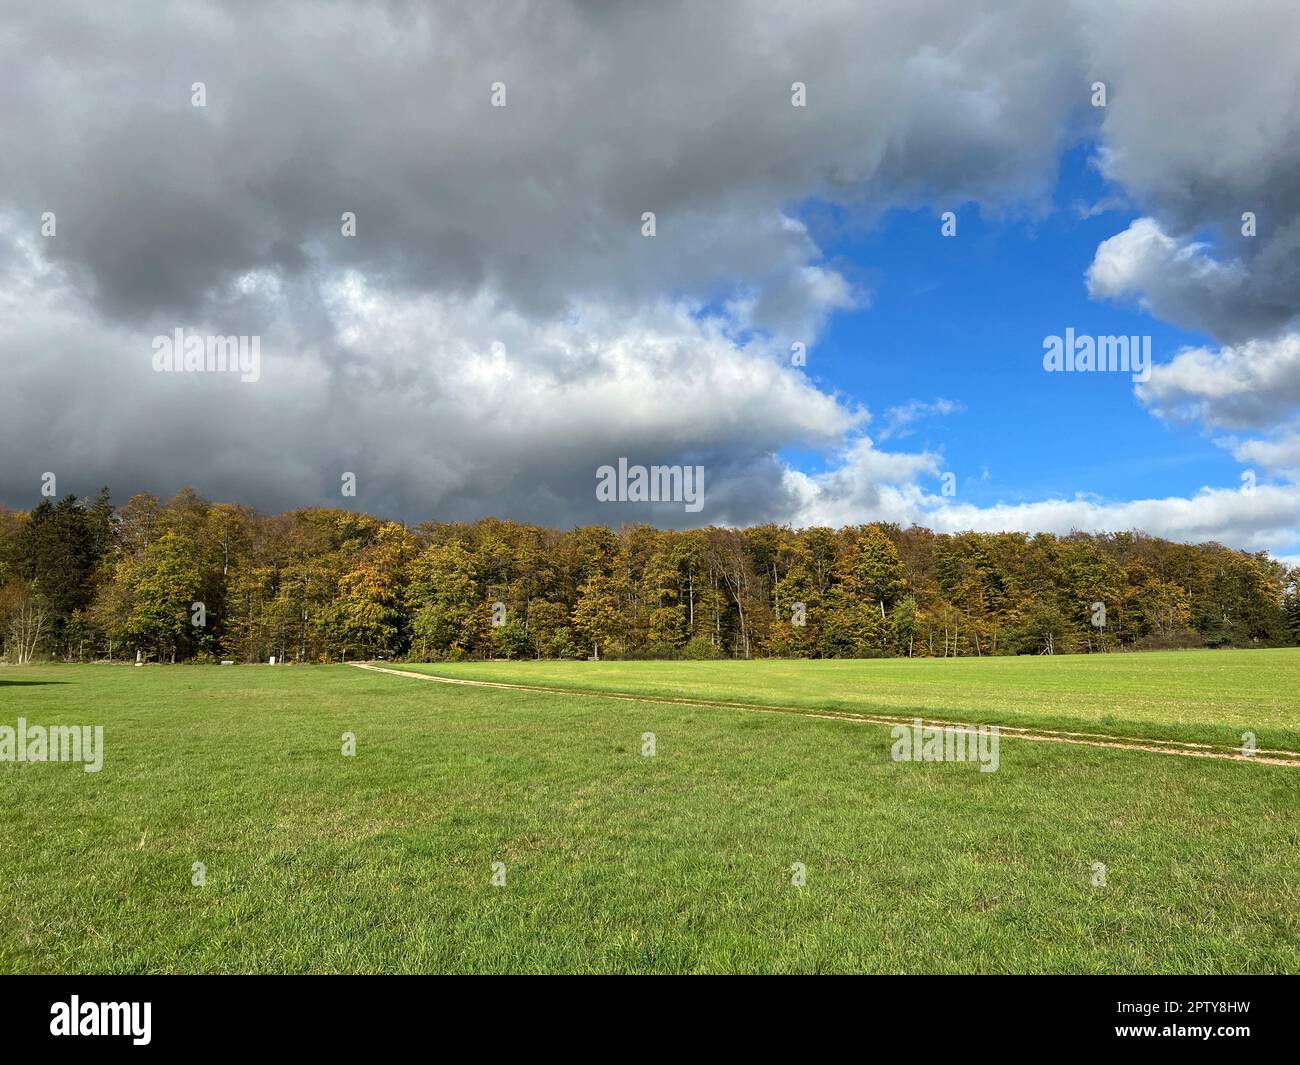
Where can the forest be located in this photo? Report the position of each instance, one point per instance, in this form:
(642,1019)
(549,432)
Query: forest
(192,580)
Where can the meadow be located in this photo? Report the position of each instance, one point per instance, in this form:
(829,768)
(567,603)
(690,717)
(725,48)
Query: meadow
(615,861)
(1195,696)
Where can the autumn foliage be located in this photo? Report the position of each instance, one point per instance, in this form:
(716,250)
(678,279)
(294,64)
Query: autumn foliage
(82,580)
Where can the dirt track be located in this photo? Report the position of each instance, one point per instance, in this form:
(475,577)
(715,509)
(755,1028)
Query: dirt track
(1123,743)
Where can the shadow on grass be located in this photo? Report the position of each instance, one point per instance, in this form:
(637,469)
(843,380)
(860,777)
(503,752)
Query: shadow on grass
(4,683)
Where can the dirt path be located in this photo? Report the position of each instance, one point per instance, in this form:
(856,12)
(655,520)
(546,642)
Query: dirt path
(1086,739)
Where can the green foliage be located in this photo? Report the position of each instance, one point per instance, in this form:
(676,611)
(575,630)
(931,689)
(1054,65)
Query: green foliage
(57,551)
(162,587)
(444,596)
(875,573)
(510,640)
(903,625)
(597,616)
(314,585)
(1291,605)
(701,649)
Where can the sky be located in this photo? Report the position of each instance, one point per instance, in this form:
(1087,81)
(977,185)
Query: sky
(806,323)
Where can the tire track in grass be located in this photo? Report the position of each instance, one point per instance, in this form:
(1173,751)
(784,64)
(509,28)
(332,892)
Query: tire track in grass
(1086,739)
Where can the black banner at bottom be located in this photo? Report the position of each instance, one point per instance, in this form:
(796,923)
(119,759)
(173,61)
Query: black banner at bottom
(337,1013)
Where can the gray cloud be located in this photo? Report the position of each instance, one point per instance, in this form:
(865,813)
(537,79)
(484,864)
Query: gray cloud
(521,226)
(314,109)
(475,225)
(1202,125)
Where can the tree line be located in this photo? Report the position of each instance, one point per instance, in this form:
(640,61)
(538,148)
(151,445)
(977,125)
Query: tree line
(192,580)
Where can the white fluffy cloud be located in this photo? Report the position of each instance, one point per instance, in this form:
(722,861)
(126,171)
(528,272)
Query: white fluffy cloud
(863,484)
(1279,453)
(1251,385)
(1176,280)
(1201,129)
(439,406)
(1258,520)
(870,485)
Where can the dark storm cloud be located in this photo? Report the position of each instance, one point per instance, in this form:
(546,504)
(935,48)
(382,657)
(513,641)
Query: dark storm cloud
(313,109)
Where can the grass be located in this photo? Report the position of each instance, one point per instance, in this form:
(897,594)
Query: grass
(1196,696)
(617,862)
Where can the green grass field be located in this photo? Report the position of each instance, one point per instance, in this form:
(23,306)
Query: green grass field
(1199,696)
(679,862)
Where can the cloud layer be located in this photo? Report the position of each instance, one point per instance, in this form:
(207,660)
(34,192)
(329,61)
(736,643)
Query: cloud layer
(499,326)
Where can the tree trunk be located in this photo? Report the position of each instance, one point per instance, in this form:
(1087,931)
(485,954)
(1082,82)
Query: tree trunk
(691,586)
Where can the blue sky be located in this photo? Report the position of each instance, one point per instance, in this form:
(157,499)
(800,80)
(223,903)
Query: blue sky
(963,318)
